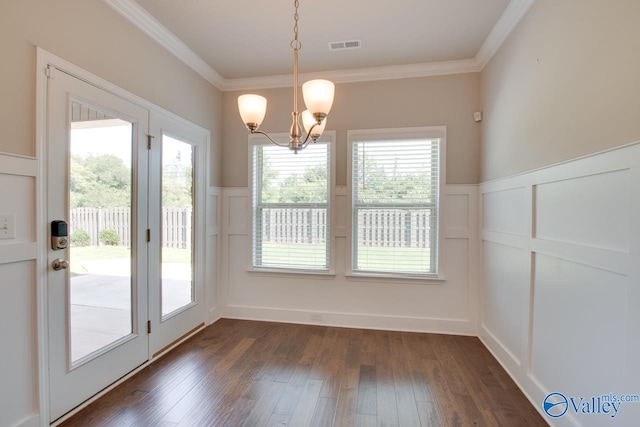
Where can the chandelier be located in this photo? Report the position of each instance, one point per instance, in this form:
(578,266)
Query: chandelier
(318,98)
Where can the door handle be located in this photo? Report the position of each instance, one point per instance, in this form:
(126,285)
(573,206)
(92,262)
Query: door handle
(60,264)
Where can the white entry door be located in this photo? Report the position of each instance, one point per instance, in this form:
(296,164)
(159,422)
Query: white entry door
(97,183)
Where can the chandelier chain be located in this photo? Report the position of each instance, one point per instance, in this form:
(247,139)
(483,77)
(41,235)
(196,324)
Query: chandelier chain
(295,43)
(253,107)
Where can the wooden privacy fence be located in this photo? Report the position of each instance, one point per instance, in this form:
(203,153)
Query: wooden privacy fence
(176,225)
(409,228)
(94,220)
(294,225)
(176,228)
(376,227)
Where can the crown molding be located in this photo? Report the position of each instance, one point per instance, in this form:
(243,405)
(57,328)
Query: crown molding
(142,19)
(510,18)
(359,74)
(158,32)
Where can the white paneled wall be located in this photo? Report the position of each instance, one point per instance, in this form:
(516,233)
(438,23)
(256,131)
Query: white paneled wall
(560,295)
(214,211)
(18,316)
(448,306)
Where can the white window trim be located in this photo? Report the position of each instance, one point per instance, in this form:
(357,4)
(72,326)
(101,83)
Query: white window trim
(328,137)
(428,132)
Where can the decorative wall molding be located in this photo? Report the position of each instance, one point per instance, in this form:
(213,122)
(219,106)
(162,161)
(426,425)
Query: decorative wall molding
(448,306)
(559,258)
(213,250)
(158,32)
(513,14)
(355,75)
(19,173)
(12,164)
(17,252)
(18,180)
(165,38)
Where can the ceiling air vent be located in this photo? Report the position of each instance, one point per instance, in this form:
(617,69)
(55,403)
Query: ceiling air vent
(349,44)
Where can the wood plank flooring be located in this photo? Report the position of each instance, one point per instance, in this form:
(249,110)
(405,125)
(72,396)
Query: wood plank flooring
(246,373)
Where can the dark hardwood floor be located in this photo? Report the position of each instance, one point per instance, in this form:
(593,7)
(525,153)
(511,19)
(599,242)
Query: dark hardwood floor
(245,373)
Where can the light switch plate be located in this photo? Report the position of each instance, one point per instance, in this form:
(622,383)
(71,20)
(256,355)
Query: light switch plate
(7,226)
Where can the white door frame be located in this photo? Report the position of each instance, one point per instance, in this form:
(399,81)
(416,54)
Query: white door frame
(44,58)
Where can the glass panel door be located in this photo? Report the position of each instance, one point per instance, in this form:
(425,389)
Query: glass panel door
(100,195)
(177,284)
(177,195)
(97,275)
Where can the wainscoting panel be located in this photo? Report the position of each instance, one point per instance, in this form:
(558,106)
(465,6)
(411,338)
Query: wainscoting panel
(581,312)
(506,297)
(19,367)
(214,221)
(504,211)
(17,314)
(337,299)
(237,214)
(456,212)
(18,182)
(561,283)
(590,211)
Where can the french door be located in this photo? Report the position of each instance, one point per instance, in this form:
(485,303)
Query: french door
(124,258)
(176,196)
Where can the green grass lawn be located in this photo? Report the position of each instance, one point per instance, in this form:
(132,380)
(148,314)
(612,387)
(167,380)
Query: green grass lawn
(279,254)
(294,254)
(376,258)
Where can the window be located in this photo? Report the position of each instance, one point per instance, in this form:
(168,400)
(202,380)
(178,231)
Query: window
(396,175)
(291,209)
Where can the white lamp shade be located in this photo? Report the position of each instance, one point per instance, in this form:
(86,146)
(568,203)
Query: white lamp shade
(252,108)
(308,120)
(318,96)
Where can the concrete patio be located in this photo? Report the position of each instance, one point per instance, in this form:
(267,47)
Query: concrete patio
(101,302)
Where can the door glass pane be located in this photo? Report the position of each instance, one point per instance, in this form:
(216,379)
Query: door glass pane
(177,225)
(100,184)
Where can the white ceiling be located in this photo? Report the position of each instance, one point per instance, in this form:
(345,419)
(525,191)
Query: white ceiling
(238,44)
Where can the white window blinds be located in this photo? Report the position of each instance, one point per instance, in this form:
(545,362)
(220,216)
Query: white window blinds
(395,186)
(291,207)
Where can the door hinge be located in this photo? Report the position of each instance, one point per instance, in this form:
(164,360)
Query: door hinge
(47,71)
(148,235)
(149,138)
(148,326)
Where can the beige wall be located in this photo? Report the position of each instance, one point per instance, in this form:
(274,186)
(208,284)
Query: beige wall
(565,83)
(93,36)
(447,100)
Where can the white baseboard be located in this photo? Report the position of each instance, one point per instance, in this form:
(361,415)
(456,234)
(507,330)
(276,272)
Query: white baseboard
(491,344)
(214,315)
(350,320)
(31,421)
(501,351)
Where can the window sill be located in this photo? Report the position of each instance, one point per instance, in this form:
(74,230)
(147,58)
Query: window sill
(292,272)
(386,277)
